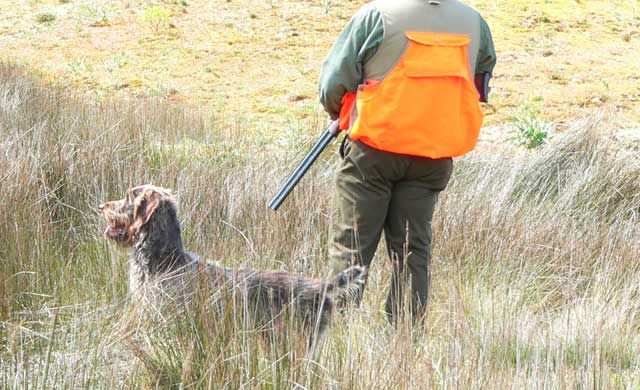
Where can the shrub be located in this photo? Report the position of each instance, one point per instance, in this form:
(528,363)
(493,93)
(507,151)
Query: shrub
(531,128)
(157,17)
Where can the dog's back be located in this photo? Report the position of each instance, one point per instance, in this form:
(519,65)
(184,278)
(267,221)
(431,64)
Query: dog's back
(310,301)
(312,298)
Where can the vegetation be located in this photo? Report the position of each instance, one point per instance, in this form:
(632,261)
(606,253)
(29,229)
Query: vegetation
(157,17)
(535,272)
(95,14)
(259,60)
(535,268)
(530,128)
(45,17)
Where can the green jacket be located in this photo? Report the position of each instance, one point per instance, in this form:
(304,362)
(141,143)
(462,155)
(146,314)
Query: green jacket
(379,26)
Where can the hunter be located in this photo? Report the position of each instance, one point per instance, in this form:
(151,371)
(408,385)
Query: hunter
(405,78)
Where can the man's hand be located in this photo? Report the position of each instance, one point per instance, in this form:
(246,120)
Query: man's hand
(482,85)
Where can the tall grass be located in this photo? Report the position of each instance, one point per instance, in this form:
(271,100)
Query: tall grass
(536,278)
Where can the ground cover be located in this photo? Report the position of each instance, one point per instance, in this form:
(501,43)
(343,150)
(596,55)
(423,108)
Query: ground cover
(535,272)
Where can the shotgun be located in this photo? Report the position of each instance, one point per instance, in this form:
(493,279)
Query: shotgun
(325,139)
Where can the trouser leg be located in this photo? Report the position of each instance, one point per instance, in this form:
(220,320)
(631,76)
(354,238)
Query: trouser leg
(362,198)
(408,234)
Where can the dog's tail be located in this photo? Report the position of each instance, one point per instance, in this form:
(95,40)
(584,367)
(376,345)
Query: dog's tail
(348,285)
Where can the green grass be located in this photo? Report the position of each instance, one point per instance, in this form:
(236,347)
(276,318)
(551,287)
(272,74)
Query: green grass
(156,17)
(530,128)
(535,271)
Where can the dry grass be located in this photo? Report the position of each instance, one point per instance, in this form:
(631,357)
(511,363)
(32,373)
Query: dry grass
(536,278)
(260,59)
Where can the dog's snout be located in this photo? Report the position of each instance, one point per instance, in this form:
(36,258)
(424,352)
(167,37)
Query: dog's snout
(101,207)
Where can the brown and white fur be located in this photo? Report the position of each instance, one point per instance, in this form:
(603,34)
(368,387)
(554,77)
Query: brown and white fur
(146,222)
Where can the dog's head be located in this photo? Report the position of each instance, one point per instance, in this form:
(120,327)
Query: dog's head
(127,218)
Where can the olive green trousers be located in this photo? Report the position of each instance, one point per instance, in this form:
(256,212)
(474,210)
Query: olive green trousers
(378,191)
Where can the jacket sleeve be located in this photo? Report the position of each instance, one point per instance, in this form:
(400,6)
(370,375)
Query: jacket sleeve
(342,71)
(487,53)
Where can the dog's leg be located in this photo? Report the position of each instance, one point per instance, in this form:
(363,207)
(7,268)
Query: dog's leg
(316,342)
(318,326)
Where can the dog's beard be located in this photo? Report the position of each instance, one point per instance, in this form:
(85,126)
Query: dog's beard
(115,233)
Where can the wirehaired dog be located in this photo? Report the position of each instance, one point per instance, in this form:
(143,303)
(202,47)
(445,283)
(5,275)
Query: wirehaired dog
(146,222)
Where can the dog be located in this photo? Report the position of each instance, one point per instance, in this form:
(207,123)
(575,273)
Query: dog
(145,221)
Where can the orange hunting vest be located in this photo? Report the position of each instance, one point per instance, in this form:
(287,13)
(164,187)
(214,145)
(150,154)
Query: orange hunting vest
(427,106)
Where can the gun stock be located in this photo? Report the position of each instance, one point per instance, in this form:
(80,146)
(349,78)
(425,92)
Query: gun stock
(482,85)
(325,139)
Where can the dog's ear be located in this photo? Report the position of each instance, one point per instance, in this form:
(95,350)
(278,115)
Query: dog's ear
(144,205)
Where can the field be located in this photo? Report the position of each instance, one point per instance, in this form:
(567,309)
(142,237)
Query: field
(535,270)
(259,60)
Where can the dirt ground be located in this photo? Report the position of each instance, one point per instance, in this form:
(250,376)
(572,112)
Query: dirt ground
(259,60)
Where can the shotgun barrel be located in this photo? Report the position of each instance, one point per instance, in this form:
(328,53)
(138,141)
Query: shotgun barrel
(325,139)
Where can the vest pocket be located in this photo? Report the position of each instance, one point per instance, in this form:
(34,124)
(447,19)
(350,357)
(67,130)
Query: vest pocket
(437,55)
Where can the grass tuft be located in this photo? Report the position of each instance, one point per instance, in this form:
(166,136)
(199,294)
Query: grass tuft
(45,17)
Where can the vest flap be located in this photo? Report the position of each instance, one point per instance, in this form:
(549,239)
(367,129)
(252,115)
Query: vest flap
(435,69)
(436,61)
(438,39)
